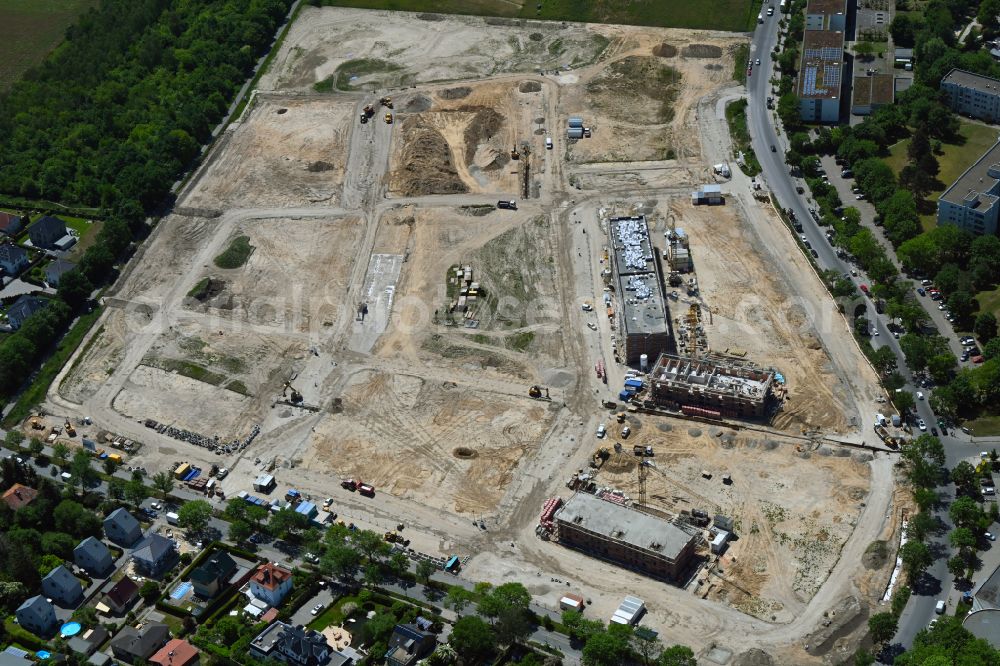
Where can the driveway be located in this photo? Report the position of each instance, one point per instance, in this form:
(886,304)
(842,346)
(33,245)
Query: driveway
(303,615)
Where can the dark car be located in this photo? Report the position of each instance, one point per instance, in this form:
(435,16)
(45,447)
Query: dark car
(773,149)
(920,290)
(934,431)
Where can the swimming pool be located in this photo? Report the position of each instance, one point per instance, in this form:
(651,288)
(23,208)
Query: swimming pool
(180,591)
(70,629)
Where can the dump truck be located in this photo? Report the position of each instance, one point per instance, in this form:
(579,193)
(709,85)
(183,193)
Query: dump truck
(367,113)
(115,458)
(349,484)
(640,450)
(70,430)
(507,205)
(366,489)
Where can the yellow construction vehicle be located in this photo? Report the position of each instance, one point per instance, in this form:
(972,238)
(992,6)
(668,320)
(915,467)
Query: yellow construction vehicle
(514,155)
(388,119)
(36,424)
(535,392)
(70,430)
(386,102)
(600,455)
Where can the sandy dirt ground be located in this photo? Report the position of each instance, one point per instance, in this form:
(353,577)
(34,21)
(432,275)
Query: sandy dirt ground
(438,444)
(285,152)
(436,414)
(294,279)
(774,327)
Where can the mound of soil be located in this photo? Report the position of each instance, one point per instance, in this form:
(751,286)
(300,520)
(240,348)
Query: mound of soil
(665,50)
(209,289)
(426,166)
(455,93)
(485,124)
(701,51)
(464,453)
(317,167)
(418,104)
(529,86)
(498,162)
(281,111)
(754,657)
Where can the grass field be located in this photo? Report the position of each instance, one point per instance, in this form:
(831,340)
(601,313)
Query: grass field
(32,28)
(954,160)
(731,15)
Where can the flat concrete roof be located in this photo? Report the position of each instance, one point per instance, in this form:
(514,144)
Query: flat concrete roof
(623,524)
(826,7)
(973,81)
(820,75)
(984,624)
(638,286)
(874,90)
(972,187)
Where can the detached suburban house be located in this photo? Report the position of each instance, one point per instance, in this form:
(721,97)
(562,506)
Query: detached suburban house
(37,615)
(119,595)
(408,645)
(122,527)
(213,575)
(176,652)
(271,583)
(13,258)
(23,308)
(62,587)
(19,496)
(56,270)
(291,644)
(153,555)
(46,232)
(10,224)
(135,646)
(93,556)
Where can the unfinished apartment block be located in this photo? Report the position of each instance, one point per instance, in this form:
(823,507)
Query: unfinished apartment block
(642,318)
(616,533)
(714,386)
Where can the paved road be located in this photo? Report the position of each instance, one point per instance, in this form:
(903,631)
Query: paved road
(937,583)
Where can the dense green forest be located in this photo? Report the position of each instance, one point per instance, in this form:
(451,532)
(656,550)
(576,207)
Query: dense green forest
(121,108)
(112,119)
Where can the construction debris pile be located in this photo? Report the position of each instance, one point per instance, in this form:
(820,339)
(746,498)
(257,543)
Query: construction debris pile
(211,443)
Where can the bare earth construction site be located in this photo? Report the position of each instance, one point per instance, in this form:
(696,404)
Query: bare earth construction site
(343,298)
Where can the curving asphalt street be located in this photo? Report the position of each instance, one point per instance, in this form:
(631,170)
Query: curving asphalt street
(937,583)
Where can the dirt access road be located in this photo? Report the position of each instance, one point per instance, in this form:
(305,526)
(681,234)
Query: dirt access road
(437,415)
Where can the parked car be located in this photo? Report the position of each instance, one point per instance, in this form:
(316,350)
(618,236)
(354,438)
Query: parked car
(921,425)
(317,609)
(920,290)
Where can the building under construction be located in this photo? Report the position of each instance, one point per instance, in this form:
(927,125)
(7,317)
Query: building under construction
(611,531)
(642,318)
(713,386)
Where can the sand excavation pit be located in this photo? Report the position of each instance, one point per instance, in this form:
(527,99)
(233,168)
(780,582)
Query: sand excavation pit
(183,402)
(285,152)
(448,446)
(640,106)
(293,281)
(791,515)
(753,310)
(460,140)
(510,253)
(356,49)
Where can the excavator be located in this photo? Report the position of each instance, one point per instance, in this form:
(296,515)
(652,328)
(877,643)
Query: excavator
(70,430)
(296,396)
(386,102)
(514,155)
(536,392)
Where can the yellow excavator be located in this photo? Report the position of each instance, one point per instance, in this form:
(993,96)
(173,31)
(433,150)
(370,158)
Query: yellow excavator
(536,392)
(386,102)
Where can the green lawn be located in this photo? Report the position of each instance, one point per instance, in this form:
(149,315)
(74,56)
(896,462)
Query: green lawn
(31,29)
(989,301)
(236,254)
(733,15)
(984,426)
(87,238)
(953,162)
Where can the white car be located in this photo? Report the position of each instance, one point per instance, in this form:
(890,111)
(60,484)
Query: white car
(757,61)
(602,430)
(920,395)
(156,506)
(591,325)
(990,536)
(316,610)
(922,425)
(874,331)
(626,431)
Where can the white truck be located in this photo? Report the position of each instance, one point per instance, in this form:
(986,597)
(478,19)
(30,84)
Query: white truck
(172,518)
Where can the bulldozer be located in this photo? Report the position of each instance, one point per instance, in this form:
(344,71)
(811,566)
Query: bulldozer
(388,119)
(386,102)
(296,396)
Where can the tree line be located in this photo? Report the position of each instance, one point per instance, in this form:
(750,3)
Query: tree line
(111,119)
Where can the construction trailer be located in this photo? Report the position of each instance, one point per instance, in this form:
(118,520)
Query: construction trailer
(614,532)
(575,121)
(708,195)
(712,386)
(574,133)
(641,316)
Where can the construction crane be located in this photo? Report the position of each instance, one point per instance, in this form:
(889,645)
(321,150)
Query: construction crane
(643,467)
